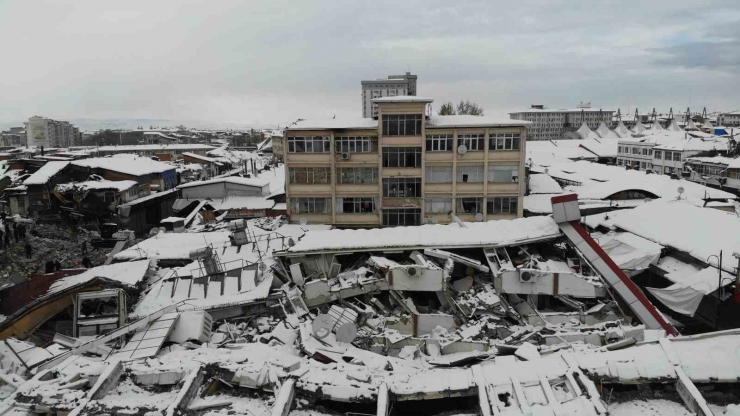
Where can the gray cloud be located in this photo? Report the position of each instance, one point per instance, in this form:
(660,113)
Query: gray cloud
(267,62)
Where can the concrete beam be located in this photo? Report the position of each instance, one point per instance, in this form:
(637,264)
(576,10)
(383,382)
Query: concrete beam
(284,399)
(383,400)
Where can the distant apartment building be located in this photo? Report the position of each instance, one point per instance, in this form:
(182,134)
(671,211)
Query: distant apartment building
(14,136)
(731,119)
(666,152)
(395,85)
(552,124)
(405,167)
(42,131)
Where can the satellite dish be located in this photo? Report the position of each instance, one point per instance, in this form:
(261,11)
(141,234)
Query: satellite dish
(680,189)
(347,332)
(304,221)
(479,217)
(322,325)
(462,149)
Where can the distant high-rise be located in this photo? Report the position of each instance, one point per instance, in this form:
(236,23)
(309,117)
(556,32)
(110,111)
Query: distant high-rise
(41,131)
(394,86)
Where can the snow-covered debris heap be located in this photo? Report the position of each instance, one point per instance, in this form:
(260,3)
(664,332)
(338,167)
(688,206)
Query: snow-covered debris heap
(247,321)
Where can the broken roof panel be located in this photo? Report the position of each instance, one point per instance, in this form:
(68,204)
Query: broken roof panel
(481,234)
(129,273)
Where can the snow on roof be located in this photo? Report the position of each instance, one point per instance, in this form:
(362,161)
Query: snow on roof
(96,185)
(545,152)
(173,246)
(129,273)
(335,123)
(606,147)
(540,183)
(629,251)
(403,99)
(731,163)
(242,202)
(201,157)
(43,175)
(235,180)
(491,233)
(539,203)
(562,110)
(126,163)
(145,147)
(148,198)
(700,232)
(601,181)
(472,121)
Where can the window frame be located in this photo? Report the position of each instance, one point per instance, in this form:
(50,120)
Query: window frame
(442,142)
(309,174)
(402,184)
(474,142)
(402,124)
(502,201)
(429,203)
(310,204)
(400,157)
(302,144)
(505,142)
(430,175)
(477,201)
(510,168)
(479,174)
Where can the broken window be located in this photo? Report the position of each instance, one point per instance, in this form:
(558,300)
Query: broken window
(501,205)
(503,174)
(401,217)
(356,205)
(438,174)
(402,187)
(357,175)
(470,173)
(469,205)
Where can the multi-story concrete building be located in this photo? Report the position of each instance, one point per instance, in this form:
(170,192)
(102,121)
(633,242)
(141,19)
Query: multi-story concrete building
(731,119)
(664,152)
(15,136)
(552,124)
(395,85)
(41,131)
(405,168)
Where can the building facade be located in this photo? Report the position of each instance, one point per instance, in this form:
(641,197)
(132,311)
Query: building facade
(405,168)
(395,85)
(42,131)
(729,119)
(552,124)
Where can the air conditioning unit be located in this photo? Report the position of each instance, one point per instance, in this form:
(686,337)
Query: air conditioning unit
(527,276)
(345,155)
(414,271)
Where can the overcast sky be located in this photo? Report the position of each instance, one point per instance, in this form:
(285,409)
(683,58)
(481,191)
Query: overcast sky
(273,61)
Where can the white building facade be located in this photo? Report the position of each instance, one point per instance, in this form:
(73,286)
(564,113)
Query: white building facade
(395,85)
(552,124)
(42,131)
(729,119)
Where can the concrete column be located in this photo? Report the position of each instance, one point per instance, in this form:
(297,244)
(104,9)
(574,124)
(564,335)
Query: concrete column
(383,400)
(284,399)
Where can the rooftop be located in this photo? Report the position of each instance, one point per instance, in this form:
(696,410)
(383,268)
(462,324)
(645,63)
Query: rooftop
(491,233)
(96,185)
(403,99)
(125,163)
(236,180)
(333,123)
(472,121)
(43,175)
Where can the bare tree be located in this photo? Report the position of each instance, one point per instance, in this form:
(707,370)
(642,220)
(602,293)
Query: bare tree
(466,107)
(447,109)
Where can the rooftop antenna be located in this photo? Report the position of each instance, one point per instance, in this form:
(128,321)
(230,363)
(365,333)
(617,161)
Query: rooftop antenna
(619,114)
(637,115)
(670,115)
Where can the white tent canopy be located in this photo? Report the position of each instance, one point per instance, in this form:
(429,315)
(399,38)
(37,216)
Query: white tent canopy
(622,130)
(604,132)
(685,297)
(639,128)
(586,133)
(674,126)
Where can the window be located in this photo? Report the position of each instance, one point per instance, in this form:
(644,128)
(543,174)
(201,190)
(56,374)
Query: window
(439,143)
(356,144)
(310,205)
(677,156)
(438,174)
(644,152)
(643,165)
(402,125)
(474,142)
(502,205)
(310,175)
(401,157)
(470,173)
(619,149)
(620,162)
(438,205)
(503,174)
(401,216)
(504,141)
(402,187)
(658,154)
(356,205)
(316,144)
(635,150)
(357,175)
(469,205)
